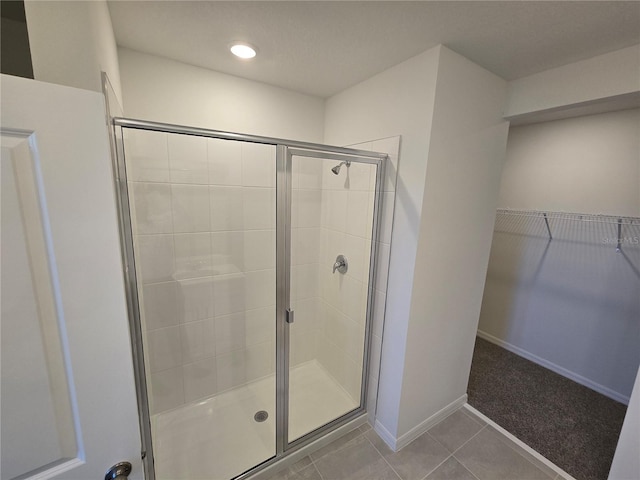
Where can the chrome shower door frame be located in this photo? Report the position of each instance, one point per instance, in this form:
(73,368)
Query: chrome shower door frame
(285,155)
(285,150)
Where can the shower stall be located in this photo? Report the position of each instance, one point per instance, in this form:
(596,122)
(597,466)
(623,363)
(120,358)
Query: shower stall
(250,264)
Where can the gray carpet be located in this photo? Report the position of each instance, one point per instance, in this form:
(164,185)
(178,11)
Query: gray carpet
(571,425)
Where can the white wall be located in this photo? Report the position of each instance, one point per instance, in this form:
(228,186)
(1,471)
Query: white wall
(466,154)
(398,101)
(163,90)
(72,42)
(571,304)
(449,113)
(604,76)
(587,164)
(626,461)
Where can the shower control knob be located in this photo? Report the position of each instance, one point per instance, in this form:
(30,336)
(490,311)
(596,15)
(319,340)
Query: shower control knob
(120,471)
(341,264)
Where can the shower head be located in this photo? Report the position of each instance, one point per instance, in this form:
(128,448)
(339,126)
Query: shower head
(336,169)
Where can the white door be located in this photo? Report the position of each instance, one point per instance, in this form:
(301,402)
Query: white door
(67,392)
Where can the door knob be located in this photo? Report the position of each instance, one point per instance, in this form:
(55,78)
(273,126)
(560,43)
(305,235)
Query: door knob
(120,471)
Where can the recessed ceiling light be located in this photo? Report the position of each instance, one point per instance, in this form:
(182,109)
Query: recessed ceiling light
(243,50)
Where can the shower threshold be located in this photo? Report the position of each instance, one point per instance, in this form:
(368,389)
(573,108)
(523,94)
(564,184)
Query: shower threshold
(217,438)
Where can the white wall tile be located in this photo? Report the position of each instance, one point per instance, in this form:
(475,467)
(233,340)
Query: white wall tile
(152,204)
(227,252)
(307,280)
(351,301)
(336,209)
(295,208)
(167,390)
(258,165)
(260,289)
(259,208)
(198,340)
(334,247)
(355,342)
(334,361)
(160,305)
(226,208)
(354,249)
(229,293)
(259,360)
(260,325)
(146,156)
(225,161)
(307,245)
(295,256)
(302,346)
(259,249)
(309,171)
(231,370)
(353,380)
(190,205)
(164,349)
(200,379)
(306,314)
(188,159)
(358,221)
(193,255)
(155,258)
(309,208)
(195,299)
(359,176)
(230,333)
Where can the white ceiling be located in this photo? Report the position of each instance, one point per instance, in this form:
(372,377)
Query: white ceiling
(321,48)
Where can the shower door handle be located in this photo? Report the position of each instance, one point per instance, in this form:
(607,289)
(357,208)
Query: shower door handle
(288,315)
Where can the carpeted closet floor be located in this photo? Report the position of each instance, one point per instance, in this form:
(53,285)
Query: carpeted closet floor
(571,425)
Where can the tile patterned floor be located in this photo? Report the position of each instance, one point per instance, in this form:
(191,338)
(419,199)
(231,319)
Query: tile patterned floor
(461,447)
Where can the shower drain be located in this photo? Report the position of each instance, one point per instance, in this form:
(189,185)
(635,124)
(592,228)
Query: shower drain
(261,416)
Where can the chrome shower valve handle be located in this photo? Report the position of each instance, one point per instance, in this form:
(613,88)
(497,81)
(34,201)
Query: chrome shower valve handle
(341,264)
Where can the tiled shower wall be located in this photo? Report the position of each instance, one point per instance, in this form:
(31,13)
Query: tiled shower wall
(347,213)
(203,216)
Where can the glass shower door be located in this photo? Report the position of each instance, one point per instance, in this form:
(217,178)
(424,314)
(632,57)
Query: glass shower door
(203,230)
(332,211)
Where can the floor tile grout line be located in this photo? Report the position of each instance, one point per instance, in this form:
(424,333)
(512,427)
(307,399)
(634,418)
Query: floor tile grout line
(522,452)
(472,416)
(437,466)
(465,467)
(313,462)
(471,438)
(382,456)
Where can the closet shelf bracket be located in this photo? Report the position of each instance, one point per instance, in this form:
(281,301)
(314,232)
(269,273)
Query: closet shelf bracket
(546,222)
(619,245)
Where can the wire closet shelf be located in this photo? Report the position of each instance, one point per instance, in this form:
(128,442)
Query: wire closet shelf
(617,230)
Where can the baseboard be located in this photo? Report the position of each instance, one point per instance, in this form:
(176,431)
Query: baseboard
(385,435)
(529,451)
(397,443)
(607,392)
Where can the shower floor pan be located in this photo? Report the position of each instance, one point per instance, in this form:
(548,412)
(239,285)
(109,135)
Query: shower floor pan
(218,438)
